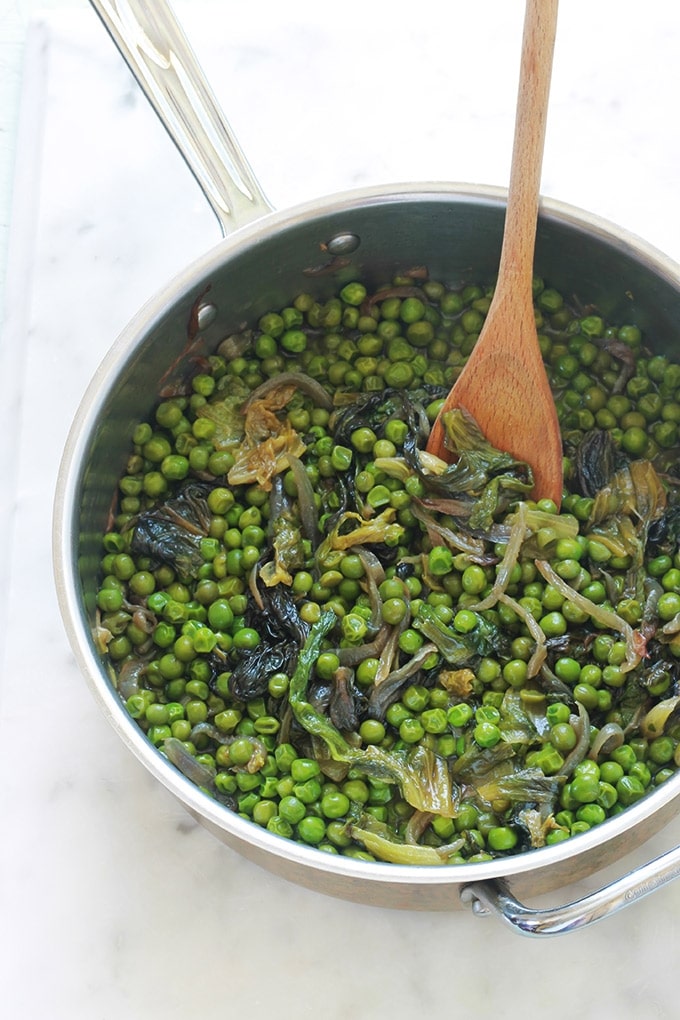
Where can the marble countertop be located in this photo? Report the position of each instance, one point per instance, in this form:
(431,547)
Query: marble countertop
(114,903)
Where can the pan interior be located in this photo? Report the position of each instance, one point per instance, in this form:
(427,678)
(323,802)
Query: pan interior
(456,236)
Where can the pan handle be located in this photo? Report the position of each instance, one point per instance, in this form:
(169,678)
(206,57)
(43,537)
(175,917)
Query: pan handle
(157,52)
(494,898)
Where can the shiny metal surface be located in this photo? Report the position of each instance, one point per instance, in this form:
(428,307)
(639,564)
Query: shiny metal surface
(495,897)
(157,52)
(455,230)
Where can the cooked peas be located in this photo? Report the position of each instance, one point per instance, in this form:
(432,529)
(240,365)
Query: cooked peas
(424,662)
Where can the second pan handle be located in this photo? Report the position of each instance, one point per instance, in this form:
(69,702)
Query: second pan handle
(495,898)
(157,52)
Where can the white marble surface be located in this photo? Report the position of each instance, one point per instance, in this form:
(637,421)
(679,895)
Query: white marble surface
(113,903)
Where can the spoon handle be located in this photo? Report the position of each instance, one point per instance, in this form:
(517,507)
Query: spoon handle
(504,385)
(538,44)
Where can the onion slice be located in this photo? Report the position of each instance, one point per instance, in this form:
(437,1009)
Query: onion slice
(655,721)
(635,642)
(606,740)
(540,652)
(310,387)
(518,534)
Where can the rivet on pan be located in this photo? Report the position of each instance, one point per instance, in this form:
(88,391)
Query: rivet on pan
(206,315)
(343,244)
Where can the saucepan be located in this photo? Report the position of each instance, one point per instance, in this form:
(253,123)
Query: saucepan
(264,258)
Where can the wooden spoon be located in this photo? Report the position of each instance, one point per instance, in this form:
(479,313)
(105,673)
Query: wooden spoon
(504,385)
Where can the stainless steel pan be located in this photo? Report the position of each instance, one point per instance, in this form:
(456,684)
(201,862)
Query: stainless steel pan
(266,258)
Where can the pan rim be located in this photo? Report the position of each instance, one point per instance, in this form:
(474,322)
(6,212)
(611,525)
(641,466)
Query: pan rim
(65,561)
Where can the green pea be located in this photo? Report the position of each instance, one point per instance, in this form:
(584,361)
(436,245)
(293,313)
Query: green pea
(557,713)
(302,769)
(629,790)
(379,496)
(585,790)
(311,830)
(204,640)
(220,614)
(241,751)
(434,720)
(390,588)
(326,665)
(440,561)
(416,697)
(394,610)
(363,439)
(354,628)
(488,670)
(335,804)
(123,567)
(196,711)
(502,838)
(109,600)
(372,731)
(294,341)
(668,605)
(553,624)
(460,715)
(486,734)
(670,580)
(396,431)
(563,737)
(399,375)
(341,458)
(515,672)
(246,639)
(464,621)
(292,810)
(384,448)
(396,713)
(412,309)
(410,641)
(635,441)
(308,792)
(640,770)
(157,448)
(661,750)
(473,580)
(472,320)
(411,731)
(613,676)
(586,695)
(220,500)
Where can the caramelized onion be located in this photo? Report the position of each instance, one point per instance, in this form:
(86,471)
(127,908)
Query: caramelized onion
(635,643)
(655,721)
(310,387)
(607,739)
(518,534)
